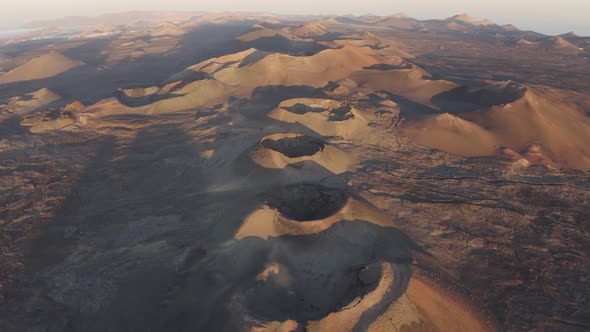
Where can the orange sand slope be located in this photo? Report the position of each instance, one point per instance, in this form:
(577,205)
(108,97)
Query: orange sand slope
(558,132)
(533,128)
(45,66)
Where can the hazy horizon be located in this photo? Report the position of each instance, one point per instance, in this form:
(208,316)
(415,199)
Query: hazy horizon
(557,18)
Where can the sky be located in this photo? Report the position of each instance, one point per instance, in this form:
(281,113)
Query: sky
(551,17)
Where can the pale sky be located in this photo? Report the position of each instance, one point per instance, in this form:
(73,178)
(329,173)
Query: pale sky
(552,17)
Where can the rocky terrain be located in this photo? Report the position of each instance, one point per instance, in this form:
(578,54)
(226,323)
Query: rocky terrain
(229,172)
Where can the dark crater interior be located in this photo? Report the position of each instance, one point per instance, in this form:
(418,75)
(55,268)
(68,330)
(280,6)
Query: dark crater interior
(295,147)
(313,278)
(310,299)
(302,109)
(306,202)
(341,114)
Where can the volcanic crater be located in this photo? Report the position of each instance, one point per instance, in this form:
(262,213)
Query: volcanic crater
(307,202)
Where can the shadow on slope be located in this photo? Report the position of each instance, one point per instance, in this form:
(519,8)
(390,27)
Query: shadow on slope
(473,97)
(269,97)
(91,51)
(90,84)
(281,44)
(143,100)
(409,109)
(150,193)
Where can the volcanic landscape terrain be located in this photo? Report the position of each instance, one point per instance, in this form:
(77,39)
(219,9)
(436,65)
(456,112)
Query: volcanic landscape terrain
(261,172)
